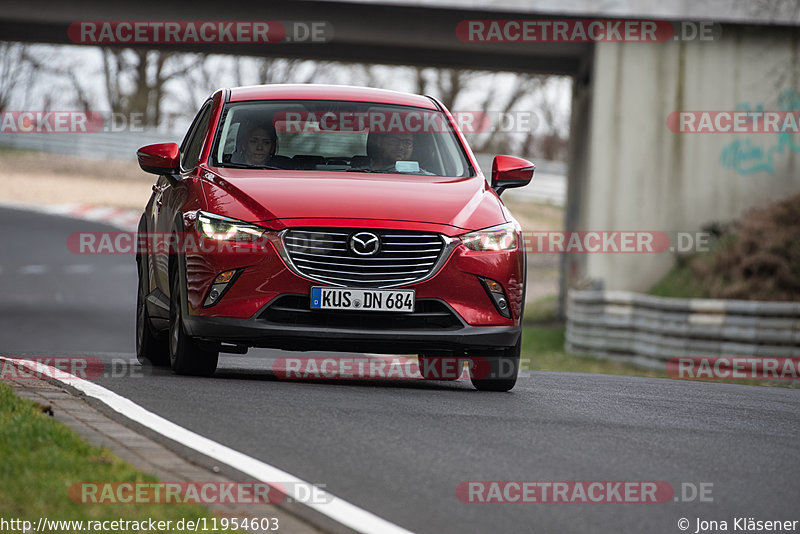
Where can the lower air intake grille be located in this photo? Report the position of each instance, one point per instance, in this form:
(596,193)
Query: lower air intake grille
(295,310)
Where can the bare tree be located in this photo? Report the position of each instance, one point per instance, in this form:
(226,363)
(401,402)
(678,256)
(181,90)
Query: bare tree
(445,84)
(526,93)
(524,86)
(450,83)
(38,62)
(552,143)
(281,70)
(135,80)
(15,70)
(367,74)
(420,80)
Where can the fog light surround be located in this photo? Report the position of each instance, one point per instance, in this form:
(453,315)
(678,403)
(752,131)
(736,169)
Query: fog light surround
(497,294)
(221,284)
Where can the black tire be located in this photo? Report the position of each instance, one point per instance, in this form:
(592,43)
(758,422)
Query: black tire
(151,348)
(186,356)
(439,367)
(497,372)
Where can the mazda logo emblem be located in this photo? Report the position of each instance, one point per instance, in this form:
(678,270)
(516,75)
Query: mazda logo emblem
(364,244)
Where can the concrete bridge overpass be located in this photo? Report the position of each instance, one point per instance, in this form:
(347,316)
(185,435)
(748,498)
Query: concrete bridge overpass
(627,170)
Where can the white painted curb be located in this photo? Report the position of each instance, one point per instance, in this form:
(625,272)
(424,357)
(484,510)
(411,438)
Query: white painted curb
(333,507)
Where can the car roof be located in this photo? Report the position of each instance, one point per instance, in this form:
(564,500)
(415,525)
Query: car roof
(328,92)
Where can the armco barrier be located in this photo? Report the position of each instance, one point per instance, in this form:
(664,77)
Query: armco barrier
(647,331)
(99,145)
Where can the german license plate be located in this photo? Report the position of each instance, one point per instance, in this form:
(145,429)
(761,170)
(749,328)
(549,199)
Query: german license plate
(348,298)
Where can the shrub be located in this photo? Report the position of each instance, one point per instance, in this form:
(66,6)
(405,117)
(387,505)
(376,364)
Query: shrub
(756,258)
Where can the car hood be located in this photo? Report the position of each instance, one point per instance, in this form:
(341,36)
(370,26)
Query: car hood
(298,198)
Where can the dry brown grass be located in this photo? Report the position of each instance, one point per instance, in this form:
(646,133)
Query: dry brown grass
(758,258)
(40,178)
(533,216)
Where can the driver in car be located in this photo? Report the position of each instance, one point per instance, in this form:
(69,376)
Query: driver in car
(260,144)
(386,149)
(257,145)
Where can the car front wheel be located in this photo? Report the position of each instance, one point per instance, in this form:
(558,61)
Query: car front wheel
(150,348)
(186,356)
(497,372)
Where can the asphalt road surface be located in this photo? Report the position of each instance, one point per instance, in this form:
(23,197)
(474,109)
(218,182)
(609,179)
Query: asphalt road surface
(400,448)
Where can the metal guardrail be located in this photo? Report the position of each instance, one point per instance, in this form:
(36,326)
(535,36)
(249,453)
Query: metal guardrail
(647,331)
(97,145)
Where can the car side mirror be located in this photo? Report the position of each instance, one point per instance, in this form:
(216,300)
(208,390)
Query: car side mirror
(510,171)
(161,159)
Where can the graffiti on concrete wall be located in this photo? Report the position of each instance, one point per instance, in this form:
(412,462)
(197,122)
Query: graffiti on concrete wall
(749,155)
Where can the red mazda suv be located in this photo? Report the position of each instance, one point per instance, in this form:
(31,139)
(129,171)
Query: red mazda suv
(329,218)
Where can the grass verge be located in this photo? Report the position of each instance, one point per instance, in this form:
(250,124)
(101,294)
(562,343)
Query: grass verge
(42,458)
(680,282)
(542,310)
(543,350)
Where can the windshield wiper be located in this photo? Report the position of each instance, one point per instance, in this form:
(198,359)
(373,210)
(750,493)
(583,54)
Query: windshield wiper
(246,166)
(361,170)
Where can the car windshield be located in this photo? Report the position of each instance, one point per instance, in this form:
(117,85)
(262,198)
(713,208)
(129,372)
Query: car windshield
(323,135)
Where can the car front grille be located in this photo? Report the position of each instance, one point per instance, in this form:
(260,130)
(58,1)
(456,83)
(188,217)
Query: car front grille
(326,255)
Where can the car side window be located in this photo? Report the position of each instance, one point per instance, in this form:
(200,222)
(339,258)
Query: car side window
(193,143)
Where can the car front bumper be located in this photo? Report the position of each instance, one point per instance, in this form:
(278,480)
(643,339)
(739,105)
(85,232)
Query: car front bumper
(255,332)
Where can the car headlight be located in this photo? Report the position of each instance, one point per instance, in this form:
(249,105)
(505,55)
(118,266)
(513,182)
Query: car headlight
(501,237)
(227,229)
